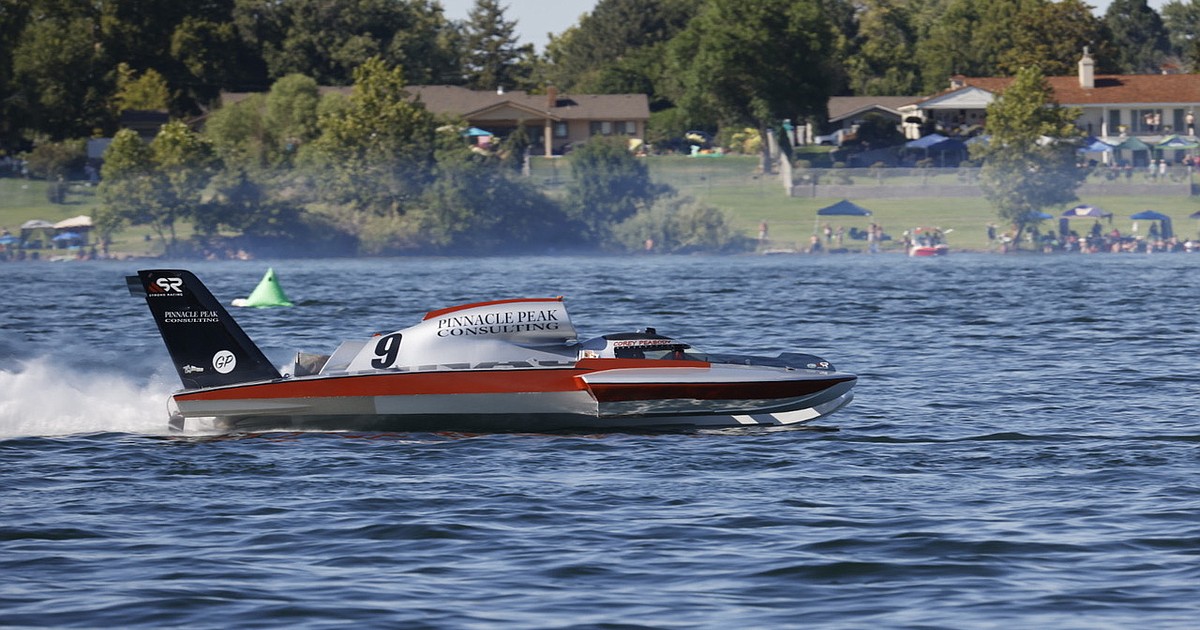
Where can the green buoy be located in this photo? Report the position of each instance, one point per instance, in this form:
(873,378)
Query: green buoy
(268,293)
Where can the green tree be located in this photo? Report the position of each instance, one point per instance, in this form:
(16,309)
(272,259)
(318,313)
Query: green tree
(328,39)
(14,15)
(619,47)
(238,133)
(1052,35)
(192,44)
(678,225)
(207,52)
(157,184)
(493,58)
(292,116)
(883,60)
(1029,163)
(55,70)
(129,190)
(56,160)
(148,91)
(475,205)
(1182,21)
(756,63)
(1138,36)
(948,48)
(608,186)
(375,155)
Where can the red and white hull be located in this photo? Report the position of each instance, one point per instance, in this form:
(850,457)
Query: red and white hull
(595,394)
(928,250)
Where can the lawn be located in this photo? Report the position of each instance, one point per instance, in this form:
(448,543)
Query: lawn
(731,183)
(22,200)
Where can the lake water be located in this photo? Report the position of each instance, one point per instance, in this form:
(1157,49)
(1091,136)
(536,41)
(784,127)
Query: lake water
(1022,451)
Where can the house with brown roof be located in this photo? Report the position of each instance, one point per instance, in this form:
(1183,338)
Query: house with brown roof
(553,121)
(847,112)
(1150,106)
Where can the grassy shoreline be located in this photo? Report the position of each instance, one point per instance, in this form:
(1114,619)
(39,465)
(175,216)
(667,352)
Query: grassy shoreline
(730,183)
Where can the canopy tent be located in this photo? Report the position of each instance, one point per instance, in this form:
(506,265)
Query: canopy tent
(1133,144)
(936,142)
(844,207)
(1096,145)
(1081,212)
(81,222)
(1151,215)
(1176,142)
(34,230)
(1086,212)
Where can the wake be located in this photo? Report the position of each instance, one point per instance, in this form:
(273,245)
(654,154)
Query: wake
(40,398)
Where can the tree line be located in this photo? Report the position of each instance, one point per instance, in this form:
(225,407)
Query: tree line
(379,170)
(68,67)
(373,172)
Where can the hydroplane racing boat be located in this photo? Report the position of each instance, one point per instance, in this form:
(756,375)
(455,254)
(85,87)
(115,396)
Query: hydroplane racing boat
(507,365)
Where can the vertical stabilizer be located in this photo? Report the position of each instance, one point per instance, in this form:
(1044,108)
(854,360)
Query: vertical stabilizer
(208,347)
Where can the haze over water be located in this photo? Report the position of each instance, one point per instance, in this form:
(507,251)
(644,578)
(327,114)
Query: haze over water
(1021,452)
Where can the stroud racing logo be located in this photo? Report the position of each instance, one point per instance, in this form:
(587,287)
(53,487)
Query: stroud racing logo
(168,286)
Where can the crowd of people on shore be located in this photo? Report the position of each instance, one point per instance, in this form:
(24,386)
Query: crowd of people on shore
(1096,240)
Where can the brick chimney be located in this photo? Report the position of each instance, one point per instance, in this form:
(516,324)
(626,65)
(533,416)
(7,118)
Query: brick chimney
(551,97)
(1087,70)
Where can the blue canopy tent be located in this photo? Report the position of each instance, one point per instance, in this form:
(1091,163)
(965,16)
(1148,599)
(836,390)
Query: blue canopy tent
(936,142)
(1096,145)
(844,207)
(1081,212)
(1150,215)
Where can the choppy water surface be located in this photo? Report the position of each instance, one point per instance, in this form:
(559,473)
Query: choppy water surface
(1022,452)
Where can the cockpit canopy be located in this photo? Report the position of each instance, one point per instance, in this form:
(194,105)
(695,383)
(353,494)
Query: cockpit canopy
(647,344)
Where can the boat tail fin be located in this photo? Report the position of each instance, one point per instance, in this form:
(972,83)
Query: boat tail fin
(208,347)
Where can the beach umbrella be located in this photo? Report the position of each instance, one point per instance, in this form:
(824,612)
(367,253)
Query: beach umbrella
(476,132)
(9,239)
